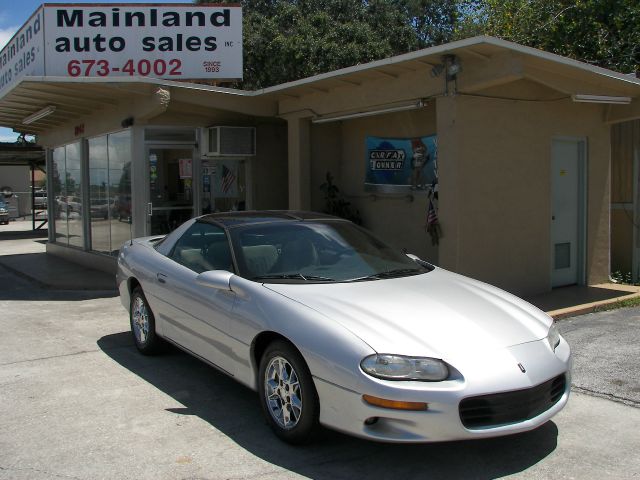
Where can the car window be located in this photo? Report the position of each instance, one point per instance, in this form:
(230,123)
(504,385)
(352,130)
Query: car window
(203,247)
(317,251)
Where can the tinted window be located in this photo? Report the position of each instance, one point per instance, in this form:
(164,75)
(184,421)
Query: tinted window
(203,247)
(317,251)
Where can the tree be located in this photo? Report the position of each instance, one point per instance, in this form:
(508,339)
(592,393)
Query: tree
(285,40)
(601,32)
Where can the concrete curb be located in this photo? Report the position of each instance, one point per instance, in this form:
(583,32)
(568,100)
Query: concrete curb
(591,307)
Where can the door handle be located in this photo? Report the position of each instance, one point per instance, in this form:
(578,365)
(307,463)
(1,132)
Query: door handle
(150,209)
(162,278)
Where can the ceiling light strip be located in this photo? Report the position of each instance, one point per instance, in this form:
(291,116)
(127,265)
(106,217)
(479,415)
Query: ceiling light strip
(369,113)
(39,115)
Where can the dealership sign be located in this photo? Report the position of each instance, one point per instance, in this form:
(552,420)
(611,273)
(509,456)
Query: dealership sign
(171,41)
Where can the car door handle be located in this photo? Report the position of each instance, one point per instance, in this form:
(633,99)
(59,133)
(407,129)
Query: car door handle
(162,278)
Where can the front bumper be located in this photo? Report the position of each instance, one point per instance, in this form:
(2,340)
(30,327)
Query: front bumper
(344,409)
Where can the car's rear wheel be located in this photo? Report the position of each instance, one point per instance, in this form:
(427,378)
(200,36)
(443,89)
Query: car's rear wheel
(143,324)
(287,394)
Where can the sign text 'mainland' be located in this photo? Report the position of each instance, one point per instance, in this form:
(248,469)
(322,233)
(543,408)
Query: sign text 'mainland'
(126,40)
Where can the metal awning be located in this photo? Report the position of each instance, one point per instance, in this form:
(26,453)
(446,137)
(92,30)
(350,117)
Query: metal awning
(27,155)
(22,155)
(68,101)
(46,103)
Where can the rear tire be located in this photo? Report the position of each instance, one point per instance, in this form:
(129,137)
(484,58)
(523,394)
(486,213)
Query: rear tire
(143,324)
(287,394)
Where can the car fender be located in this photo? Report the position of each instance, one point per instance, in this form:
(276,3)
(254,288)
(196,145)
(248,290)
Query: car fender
(331,352)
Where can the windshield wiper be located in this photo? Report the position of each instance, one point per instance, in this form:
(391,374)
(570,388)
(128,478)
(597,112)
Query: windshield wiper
(399,272)
(293,276)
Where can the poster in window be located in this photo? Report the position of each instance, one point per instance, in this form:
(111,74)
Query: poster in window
(401,164)
(226,180)
(185,167)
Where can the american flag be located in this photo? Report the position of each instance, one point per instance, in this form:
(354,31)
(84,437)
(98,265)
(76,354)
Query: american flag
(228,177)
(432,215)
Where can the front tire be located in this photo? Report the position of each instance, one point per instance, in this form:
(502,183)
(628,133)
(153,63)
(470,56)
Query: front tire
(143,324)
(287,394)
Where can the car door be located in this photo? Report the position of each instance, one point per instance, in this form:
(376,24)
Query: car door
(198,317)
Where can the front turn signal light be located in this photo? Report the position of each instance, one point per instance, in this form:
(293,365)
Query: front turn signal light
(394,404)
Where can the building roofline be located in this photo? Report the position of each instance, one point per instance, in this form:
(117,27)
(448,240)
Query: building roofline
(130,80)
(418,54)
(449,48)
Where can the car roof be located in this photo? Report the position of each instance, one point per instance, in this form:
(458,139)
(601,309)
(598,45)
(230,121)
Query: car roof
(252,217)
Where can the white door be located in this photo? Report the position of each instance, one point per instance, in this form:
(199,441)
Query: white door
(568,211)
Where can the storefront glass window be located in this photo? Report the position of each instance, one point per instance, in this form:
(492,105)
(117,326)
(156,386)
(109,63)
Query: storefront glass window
(110,191)
(73,186)
(120,188)
(60,195)
(99,194)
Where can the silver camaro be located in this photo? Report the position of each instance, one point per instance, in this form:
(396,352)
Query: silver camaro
(333,327)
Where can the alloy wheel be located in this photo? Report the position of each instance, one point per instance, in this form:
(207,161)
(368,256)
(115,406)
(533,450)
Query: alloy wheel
(282,393)
(140,319)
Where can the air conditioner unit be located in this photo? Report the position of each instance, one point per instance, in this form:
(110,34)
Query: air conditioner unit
(228,141)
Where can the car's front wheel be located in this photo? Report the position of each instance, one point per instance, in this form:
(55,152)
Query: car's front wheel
(287,394)
(143,324)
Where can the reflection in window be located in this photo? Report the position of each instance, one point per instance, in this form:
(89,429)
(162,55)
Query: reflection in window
(110,191)
(120,188)
(59,194)
(99,194)
(73,185)
(67,188)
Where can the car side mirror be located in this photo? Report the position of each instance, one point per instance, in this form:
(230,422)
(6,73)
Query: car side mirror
(216,279)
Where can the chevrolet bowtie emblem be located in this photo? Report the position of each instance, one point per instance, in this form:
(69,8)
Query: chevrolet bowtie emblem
(522,369)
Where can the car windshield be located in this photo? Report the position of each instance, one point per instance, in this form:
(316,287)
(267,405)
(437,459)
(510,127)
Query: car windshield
(319,251)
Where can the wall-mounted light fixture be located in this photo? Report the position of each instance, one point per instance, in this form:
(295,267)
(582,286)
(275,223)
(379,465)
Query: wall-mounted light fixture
(601,99)
(40,114)
(127,122)
(369,113)
(452,66)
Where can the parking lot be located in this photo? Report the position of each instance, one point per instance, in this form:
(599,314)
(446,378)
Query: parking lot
(78,401)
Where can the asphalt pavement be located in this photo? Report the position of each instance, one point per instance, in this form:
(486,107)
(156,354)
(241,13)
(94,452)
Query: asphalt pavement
(78,401)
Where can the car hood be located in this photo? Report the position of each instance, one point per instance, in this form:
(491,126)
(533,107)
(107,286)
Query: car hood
(438,314)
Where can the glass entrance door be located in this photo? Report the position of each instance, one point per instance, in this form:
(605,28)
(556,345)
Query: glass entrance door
(224,185)
(171,198)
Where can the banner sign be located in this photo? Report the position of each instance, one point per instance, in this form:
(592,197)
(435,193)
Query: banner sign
(164,41)
(401,164)
(170,41)
(24,53)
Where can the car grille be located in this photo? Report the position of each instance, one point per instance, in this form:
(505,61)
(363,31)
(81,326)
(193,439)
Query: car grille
(511,407)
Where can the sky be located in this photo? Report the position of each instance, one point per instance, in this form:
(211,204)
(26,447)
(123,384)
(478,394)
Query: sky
(13,14)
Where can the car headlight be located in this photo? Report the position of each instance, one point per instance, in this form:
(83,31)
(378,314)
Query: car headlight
(399,367)
(553,337)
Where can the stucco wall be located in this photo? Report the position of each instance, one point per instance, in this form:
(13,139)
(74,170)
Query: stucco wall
(495,200)
(340,148)
(494,159)
(269,168)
